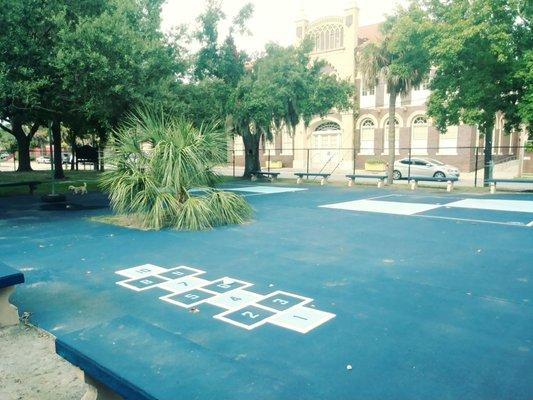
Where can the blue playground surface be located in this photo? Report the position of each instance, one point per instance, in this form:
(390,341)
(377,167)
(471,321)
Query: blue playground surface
(425,294)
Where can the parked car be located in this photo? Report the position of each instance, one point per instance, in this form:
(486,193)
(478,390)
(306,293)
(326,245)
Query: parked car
(43,159)
(4,155)
(423,167)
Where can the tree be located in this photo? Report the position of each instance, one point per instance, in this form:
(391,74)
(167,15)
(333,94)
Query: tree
(400,59)
(80,65)
(158,159)
(29,29)
(283,88)
(480,54)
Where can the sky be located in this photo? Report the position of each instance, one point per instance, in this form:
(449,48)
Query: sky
(274,20)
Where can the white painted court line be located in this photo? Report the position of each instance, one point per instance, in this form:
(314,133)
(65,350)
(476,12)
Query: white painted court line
(384,207)
(481,221)
(265,189)
(494,204)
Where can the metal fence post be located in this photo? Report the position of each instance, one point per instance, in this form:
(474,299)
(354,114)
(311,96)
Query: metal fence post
(233,157)
(354,155)
(409,166)
(307,167)
(476,166)
(268,161)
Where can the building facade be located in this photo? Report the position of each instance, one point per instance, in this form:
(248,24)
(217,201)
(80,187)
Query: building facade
(334,142)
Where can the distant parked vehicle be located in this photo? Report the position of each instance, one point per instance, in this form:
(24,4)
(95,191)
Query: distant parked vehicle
(423,167)
(4,155)
(43,160)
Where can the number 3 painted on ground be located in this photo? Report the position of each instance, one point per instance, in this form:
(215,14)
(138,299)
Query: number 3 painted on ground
(249,314)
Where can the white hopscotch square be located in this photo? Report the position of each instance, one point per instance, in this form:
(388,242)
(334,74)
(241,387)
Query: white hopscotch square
(187,271)
(183,284)
(224,285)
(384,207)
(279,299)
(301,319)
(141,271)
(235,299)
(223,316)
(199,300)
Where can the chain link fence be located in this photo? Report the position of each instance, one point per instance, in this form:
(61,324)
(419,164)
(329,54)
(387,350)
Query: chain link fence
(469,163)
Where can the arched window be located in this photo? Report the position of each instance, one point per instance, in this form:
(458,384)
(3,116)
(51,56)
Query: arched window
(367,136)
(328,126)
(420,121)
(419,135)
(327,37)
(396,137)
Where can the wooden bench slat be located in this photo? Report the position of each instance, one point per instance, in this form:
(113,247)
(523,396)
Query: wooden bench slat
(353,176)
(32,185)
(433,179)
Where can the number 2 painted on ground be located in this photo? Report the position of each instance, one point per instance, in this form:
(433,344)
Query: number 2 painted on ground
(250,314)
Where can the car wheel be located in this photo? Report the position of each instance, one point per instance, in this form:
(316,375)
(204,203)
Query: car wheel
(396,175)
(439,175)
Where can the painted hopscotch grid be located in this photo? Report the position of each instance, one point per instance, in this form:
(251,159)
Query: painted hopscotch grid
(417,208)
(243,308)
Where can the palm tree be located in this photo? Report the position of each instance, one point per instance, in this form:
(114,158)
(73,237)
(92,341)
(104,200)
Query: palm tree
(400,60)
(157,160)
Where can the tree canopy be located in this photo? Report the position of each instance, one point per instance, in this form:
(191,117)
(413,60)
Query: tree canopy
(481,50)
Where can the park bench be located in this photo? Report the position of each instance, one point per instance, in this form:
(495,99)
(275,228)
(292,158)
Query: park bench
(493,182)
(380,178)
(323,177)
(130,358)
(413,181)
(9,277)
(262,174)
(32,185)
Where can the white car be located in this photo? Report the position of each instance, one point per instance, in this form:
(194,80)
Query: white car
(43,160)
(423,167)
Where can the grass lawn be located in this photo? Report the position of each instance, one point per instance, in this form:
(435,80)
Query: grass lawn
(75,178)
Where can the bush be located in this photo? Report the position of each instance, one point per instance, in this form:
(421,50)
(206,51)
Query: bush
(157,160)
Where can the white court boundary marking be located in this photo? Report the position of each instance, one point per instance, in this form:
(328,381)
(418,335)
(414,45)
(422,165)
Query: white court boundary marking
(444,205)
(261,190)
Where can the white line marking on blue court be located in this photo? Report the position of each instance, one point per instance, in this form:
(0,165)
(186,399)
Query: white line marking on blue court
(384,207)
(494,204)
(482,221)
(265,189)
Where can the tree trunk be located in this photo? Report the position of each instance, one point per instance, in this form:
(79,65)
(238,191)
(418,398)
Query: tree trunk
(487,172)
(23,145)
(251,154)
(392,135)
(58,159)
